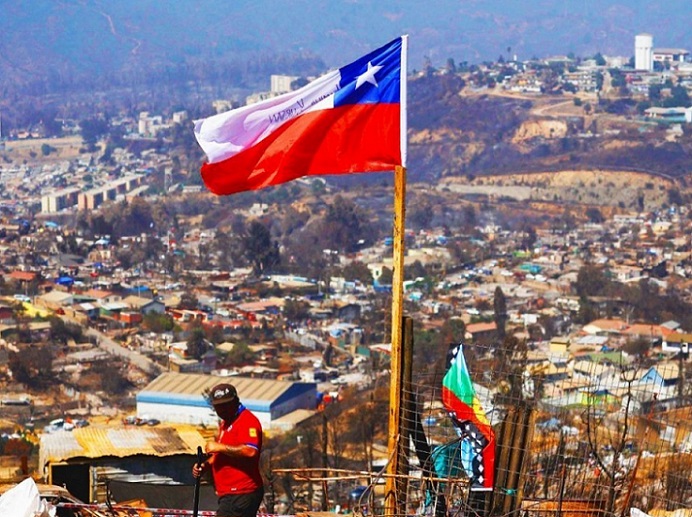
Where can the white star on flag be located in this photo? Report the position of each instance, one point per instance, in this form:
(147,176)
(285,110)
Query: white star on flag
(368,76)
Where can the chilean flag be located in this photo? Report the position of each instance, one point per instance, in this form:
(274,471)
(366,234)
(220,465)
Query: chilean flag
(351,120)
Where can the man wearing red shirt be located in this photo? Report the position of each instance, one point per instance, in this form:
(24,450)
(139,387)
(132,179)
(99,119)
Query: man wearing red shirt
(234,455)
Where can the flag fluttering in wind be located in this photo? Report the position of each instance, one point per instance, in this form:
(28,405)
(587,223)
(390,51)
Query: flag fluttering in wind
(350,120)
(478,437)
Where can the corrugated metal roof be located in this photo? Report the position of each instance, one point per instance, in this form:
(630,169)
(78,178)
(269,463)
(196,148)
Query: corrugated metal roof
(251,391)
(119,441)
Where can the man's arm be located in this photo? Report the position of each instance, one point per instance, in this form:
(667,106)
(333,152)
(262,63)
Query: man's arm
(234,451)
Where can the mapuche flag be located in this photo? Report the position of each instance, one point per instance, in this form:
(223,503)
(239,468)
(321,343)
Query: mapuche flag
(350,120)
(460,400)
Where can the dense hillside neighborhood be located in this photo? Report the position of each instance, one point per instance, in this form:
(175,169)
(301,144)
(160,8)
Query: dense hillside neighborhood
(547,256)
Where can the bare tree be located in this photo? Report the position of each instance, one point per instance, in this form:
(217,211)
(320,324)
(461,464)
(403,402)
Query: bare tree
(604,426)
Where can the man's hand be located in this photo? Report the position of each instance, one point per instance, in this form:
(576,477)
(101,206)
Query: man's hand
(198,469)
(213,447)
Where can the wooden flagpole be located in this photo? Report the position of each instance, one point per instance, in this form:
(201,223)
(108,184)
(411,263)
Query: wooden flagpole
(392,502)
(395,499)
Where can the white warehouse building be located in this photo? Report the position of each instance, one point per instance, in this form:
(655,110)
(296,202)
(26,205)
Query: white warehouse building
(179,398)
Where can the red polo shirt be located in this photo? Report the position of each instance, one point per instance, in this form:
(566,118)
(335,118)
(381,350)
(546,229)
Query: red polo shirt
(238,475)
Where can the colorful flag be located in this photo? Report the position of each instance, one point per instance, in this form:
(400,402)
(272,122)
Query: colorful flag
(350,120)
(460,400)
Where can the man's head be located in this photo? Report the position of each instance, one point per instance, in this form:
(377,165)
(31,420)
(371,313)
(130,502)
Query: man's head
(224,398)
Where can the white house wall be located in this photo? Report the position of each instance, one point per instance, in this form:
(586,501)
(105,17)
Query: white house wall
(194,415)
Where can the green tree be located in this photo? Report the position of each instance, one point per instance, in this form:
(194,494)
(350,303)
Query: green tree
(678,98)
(47,149)
(529,237)
(259,249)
(228,246)
(318,187)
(675,197)
(158,323)
(196,343)
(421,214)
(415,270)
(92,130)
(52,126)
(344,225)
(386,277)
(594,215)
(240,355)
(453,331)
(357,270)
(188,301)
(586,313)
(426,346)
(113,379)
(599,81)
(591,281)
(298,83)
(500,313)
(642,106)
(655,92)
(131,218)
(637,347)
(32,365)
(296,310)
(469,214)
(61,332)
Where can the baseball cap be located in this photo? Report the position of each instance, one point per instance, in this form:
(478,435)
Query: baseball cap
(223,393)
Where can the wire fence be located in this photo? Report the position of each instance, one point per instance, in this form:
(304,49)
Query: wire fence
(573,432)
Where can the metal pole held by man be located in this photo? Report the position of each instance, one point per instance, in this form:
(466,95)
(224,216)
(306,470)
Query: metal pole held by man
(198,481)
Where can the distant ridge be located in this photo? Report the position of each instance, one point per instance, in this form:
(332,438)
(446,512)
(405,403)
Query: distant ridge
(50,45)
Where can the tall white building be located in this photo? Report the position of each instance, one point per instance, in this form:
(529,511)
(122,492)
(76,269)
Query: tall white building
(643,52)
(281,83)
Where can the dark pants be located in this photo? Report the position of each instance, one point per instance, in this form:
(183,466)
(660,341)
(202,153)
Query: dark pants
(240,505)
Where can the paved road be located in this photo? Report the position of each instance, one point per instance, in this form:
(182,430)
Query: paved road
(112,347)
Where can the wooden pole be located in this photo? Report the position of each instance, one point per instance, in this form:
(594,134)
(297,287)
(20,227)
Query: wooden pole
(391,503)
(406,413)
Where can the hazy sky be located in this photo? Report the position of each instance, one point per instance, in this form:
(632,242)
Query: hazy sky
(102,35)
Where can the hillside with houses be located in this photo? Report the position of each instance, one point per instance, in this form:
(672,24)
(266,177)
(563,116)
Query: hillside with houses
(547,233)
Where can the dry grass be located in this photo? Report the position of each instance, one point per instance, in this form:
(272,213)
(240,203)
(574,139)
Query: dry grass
(67,148)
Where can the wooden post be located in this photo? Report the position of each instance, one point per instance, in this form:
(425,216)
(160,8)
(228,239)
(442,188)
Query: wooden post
(406,413)
(391,502)
(512,460)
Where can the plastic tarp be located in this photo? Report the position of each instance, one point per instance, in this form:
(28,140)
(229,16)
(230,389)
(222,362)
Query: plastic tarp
(65,280)
(24,500)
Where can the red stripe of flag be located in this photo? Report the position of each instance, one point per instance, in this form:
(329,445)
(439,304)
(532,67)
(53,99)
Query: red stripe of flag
(348,139)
